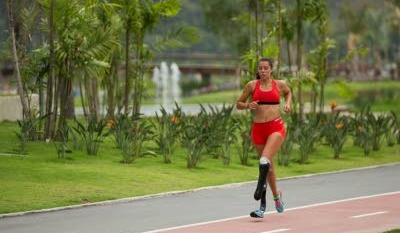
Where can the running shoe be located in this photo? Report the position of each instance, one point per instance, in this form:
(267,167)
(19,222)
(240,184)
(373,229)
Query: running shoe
(279,205)
(257,214)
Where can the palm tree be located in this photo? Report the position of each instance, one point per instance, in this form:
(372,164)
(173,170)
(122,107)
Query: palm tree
(80,54)
(306,10)
(25,108)
(50,117)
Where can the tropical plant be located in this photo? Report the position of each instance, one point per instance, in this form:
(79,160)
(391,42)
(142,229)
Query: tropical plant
(335,131)
(93,134)
(135,140)
(244,148)
(11,27)
(62,144)
(80,53)
(228,138)
(168,127)
(194,139)
(286,150)
(393,129)
(379,126)
(307,135)
(216,123)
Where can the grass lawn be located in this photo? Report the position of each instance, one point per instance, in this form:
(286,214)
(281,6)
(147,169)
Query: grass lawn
(41,180)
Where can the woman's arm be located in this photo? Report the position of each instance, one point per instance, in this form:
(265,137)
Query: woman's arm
(283,87)
(241,103)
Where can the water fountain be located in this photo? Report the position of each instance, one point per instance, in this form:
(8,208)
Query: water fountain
(157,81)
(175,78)
(167,81)
(164,75)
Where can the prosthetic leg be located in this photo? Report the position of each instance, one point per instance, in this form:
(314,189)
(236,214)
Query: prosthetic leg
(261,192)
(262,177)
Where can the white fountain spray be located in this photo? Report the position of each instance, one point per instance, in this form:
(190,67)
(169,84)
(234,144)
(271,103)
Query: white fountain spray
(175,78)
(167,80)
(164,74)
(157,81)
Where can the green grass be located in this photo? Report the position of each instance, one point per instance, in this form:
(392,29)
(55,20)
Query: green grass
(41,180)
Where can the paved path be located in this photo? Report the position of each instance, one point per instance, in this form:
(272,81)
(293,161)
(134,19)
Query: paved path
(225,203)
(370,214)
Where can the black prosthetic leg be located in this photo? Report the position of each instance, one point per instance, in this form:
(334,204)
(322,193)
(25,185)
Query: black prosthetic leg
(263,204)
(263,171)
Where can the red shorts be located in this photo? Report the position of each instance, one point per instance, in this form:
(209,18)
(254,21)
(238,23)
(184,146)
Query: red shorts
(261,130)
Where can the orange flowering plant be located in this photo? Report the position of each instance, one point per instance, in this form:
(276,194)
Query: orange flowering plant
(336,132)
(371,129)
(168,126)
(334,104)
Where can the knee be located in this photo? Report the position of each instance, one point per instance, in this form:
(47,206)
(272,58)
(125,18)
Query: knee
(271,169)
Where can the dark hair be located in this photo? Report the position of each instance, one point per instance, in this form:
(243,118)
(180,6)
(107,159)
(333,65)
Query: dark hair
(270,62)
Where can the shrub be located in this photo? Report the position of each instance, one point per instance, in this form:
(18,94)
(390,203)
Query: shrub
(245,146)
(168,127)
(92,135)
(335,131)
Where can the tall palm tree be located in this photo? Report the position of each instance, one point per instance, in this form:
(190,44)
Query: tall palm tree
(306,10)
(50,117)
(25,108)
(80,54)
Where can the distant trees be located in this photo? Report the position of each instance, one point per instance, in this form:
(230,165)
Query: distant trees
(64,47)
(305,31)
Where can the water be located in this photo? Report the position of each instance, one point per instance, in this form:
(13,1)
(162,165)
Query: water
(167,82)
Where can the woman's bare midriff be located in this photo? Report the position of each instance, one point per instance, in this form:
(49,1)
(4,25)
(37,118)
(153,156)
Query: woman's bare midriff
(266,113)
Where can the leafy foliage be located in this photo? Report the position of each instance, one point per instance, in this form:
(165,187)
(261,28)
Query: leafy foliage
(93,134)
(168,128)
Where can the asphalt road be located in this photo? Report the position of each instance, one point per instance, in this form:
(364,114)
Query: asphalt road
(209,204)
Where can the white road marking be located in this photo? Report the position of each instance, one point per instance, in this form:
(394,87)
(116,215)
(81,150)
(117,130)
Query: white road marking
(369,214)
(270,212)
(275,231)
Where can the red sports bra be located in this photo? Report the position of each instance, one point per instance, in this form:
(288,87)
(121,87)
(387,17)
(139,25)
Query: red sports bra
(266,97)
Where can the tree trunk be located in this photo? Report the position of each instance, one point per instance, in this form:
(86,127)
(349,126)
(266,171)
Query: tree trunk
(49,126)
(54,115)
(138,78)
(83,103)
(25,107)
(278,67)
(111,80)
(127,69)
(256,30)
(94,102)
(299,53)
